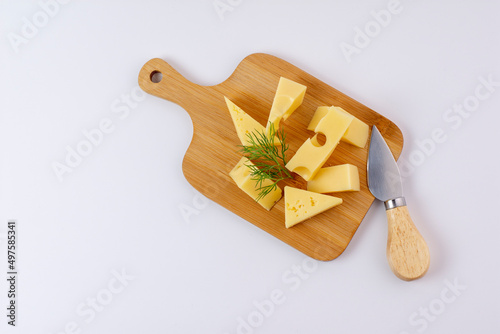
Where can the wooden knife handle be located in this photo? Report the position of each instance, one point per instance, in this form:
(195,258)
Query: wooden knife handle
(407,251)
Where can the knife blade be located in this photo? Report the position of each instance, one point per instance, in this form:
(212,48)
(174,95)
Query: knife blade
(407,251)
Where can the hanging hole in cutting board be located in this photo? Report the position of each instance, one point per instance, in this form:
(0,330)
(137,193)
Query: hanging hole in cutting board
(155,76)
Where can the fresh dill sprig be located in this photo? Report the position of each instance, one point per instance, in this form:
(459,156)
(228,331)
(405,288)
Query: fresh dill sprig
(268,159)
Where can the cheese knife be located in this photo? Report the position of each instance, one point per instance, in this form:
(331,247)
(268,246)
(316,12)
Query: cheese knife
(407,251)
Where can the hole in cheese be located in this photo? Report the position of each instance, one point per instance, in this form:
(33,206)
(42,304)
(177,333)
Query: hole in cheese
(303,171)
(318,140)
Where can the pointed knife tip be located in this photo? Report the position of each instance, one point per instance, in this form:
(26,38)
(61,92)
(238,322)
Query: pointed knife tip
(375,132)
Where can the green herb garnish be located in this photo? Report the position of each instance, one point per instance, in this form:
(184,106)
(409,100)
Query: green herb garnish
(268,159)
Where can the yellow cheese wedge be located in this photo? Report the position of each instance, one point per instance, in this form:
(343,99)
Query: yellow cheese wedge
(289,96)
(318,116)
(243,123)
(356,134)
(311,156)
(335,179)
(302,204)
(241,175)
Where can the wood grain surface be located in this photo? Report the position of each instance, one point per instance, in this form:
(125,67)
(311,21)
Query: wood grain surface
(213,151)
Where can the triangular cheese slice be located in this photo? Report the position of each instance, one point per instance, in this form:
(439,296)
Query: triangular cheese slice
(243,179)
(302,204)
(243,123)
(289,96)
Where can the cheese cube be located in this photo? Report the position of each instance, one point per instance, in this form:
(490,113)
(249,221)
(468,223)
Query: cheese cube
(241,175)
(335,179)
(311,156)
(244,123)
(289,96)
(302,204)
(356,134)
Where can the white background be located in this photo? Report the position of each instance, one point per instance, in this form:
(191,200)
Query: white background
(120,209)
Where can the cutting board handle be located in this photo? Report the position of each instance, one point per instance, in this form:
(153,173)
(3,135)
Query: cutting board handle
(407,251)
(158,78)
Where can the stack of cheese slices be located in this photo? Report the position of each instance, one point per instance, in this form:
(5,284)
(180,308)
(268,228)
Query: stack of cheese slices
(334,123)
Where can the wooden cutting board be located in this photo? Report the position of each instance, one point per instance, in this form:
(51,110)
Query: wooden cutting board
(213,152)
